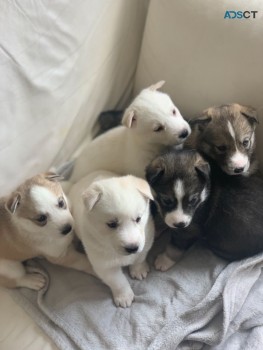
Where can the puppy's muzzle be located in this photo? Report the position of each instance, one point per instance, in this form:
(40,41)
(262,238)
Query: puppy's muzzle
(131,249)
(66,229)
(184,134)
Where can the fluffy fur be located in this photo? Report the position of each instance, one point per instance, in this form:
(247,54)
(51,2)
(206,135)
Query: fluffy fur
(150,123)
(226,134)
(116,229)
(180,184)
(222,210)
(36,221)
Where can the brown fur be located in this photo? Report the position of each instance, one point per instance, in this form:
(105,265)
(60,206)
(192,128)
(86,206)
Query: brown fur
(211,130)
(16,245)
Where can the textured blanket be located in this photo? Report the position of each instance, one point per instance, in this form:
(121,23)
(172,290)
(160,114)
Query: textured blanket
(201,303)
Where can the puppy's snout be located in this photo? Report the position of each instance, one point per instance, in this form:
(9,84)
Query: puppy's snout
(66,229)
(239,170)
(184,134)
(131,249)
(181,224)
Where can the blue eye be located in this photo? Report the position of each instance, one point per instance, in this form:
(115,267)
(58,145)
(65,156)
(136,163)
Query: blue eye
(246,143)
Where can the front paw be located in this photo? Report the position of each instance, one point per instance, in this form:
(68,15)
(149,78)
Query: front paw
(139,271)
(163,262)
(124,299)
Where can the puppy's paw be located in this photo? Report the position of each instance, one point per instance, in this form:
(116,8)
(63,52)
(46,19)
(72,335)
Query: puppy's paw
(124,299)
(163,262)
(139,271)
(34,281)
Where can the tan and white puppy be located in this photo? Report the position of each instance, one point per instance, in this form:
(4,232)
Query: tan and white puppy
(36,221)
(150,123)
(226,134)
(113,221)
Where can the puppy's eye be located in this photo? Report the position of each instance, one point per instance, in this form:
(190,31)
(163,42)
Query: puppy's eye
(174,112)
(138,219)
(42,219)
(113,224)
(193,200)
(167,202)
(62,203)
(158,128)
(246,143)
(221,148)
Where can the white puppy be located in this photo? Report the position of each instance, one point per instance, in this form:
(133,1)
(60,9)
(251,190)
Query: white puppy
(36,221)
(150,123)
(113,222)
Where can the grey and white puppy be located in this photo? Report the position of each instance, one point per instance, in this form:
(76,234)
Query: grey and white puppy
(226,134)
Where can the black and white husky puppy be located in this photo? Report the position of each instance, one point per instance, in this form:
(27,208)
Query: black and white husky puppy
(197,203)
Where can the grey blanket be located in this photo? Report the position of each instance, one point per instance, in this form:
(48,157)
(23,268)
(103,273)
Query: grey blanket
(201,303)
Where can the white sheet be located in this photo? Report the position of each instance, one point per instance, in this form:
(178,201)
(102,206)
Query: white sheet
(61,64)
(18,330)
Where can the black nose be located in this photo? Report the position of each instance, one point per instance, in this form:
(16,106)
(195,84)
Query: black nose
(131,249)
(238,170)
(183,134)
(179,224)
(66,229)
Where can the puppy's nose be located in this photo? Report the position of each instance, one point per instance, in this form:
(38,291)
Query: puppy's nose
(66,229)
(184,134)
(179,224)
(132,249)
(239,170)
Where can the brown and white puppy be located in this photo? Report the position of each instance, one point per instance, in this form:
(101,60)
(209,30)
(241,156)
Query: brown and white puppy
(226,134)
(36,221)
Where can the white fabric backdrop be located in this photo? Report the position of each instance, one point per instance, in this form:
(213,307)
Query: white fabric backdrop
(61,63)
(205,59)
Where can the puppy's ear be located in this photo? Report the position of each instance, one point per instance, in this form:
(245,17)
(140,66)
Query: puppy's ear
(154,171)
(91,197)
(156,86)
(250,113)
(143,187)
(53,177)
(201,121)
(13,202)
(202,168)
(129,118)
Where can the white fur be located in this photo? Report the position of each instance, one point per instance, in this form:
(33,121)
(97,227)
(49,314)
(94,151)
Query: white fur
(178,215)
(239,160)
(231,130)
(25,239)
(203,195)
(105,199)
(47,202)
(128,149)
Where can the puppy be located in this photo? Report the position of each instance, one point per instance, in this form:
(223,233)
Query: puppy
(36,221)
(150,123)
(197,201)
(226,134)
(180,185)
(116,229)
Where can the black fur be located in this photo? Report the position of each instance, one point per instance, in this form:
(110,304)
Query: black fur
(230,221)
